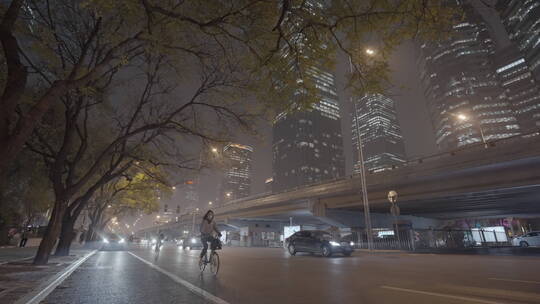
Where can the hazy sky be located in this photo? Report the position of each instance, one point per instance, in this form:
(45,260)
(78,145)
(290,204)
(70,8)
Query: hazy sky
(412,115)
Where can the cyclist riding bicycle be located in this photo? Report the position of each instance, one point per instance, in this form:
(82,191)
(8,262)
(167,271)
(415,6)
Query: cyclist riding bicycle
(208,227)
(159,241)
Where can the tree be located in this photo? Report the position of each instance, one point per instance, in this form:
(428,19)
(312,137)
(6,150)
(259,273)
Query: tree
(28,191)
(237,50)
(140,193)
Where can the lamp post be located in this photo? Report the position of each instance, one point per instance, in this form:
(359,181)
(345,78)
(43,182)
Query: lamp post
(194,212)
(365,200)
(463,118)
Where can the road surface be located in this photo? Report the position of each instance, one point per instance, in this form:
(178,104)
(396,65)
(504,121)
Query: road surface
(264,275)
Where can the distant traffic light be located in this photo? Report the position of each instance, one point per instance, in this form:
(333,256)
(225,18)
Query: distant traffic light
(165,208)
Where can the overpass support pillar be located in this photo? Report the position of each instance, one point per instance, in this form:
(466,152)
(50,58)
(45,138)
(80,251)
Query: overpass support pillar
(317,208)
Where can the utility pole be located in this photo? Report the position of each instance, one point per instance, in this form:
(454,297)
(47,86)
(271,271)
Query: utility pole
(367,215)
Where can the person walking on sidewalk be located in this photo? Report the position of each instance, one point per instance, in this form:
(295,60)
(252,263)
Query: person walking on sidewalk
(24,239)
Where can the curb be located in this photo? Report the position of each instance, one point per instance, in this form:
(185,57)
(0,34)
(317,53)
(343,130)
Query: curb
(44,289)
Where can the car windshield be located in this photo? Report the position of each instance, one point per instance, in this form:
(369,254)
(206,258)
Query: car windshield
(112,237)
(323,235)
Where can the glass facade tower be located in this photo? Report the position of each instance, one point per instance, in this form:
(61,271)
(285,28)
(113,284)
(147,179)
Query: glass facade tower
(519,65)
(237,177)
(375,118)
(307,143)
(459,77)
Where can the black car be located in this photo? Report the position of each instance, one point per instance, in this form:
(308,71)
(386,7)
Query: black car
(190,243)
(316,241)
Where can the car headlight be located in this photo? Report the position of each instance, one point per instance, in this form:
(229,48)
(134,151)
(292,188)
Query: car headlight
(334,243)
(105,241)
(154,241)
(122,241)
(351,243)
(193,241)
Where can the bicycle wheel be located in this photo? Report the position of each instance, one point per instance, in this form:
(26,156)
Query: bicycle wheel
(214,263)
(202,264)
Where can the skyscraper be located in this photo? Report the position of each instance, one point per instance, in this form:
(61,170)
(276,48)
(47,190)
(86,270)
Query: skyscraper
(519,65)
(307,144)
(521,20)
(459,78)
(375,118)
(236,181)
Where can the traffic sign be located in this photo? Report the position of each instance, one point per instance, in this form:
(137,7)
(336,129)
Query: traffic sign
(392,196)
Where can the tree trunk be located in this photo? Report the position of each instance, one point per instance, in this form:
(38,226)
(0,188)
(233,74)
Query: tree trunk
(51,234)
(67,234)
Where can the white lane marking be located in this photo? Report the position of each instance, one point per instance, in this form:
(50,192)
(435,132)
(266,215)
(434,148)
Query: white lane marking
(518,281)
(196,290)
(17,260)
(442,295)
(44,289)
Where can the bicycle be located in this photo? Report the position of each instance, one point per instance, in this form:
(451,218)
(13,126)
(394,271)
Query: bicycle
(214,258)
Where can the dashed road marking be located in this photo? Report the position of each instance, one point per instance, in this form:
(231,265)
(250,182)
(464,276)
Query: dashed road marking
(196,290)
(442,295)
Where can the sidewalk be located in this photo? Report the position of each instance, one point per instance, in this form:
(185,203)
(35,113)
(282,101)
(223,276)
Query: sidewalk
(16,254)
(19,278)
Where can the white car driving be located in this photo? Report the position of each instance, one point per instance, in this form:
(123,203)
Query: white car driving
(530,239)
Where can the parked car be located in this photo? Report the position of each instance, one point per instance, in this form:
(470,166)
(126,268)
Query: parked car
(526,240)
(112,241)
(190,243)
(317,241)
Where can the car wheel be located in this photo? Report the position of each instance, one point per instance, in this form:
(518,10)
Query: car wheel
(292,249)
(347,253)
(523,244)
(326,251)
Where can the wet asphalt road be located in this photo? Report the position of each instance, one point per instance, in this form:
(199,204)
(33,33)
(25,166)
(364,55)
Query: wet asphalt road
(263,275)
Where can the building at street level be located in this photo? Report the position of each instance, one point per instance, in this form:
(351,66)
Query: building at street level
(374,117)
(460,80)
(236,181)
(307,143)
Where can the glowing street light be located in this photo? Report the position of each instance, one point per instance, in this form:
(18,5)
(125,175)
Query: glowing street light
(214,150)
(174,187)
(210,203)
(462,117)
(370,52)
(228,194)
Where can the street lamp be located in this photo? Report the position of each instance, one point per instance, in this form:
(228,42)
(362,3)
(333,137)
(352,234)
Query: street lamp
(210,203)
(194,212)
(463,118)
(363,185)
(214,150)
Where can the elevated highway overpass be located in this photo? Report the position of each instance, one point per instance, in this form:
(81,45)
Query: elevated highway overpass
(501,180)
